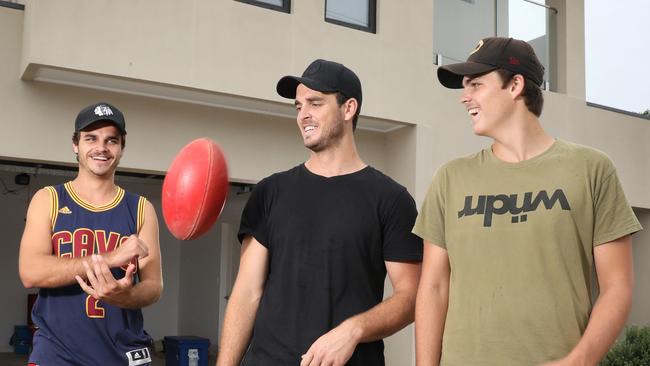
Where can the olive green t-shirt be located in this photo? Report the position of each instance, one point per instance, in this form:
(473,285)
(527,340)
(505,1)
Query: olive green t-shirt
(520,240)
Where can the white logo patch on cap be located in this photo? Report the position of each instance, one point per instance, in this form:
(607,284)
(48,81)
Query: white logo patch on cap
(102,110)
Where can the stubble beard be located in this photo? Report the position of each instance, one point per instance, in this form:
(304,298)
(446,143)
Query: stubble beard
(329,138)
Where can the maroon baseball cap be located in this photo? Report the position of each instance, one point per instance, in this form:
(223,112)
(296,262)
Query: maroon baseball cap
(491,54)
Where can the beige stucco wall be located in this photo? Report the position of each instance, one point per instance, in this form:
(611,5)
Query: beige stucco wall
(232,47)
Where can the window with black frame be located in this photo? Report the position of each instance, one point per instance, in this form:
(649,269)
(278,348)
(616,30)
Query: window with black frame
(357,14)
(279,5)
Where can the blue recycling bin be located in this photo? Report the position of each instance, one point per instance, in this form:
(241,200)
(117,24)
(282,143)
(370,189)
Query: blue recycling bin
(21,339)
(186,351)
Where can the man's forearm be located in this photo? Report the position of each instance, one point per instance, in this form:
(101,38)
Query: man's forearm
(337,346)
(613,262)
(430,315)
(384,319)
(607,319)
(48,271)
(237,330)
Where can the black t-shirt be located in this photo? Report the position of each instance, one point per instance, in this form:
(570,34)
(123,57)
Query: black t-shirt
(327,240)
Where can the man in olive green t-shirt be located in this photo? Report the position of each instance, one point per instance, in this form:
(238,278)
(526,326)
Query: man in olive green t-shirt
(513,233)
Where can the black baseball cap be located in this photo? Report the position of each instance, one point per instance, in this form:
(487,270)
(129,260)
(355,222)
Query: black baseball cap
(494,53)
(100,112)
(324,76)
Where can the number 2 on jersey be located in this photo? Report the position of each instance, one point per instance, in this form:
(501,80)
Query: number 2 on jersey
(93,310)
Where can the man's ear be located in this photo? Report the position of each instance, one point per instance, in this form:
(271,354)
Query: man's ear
(351,106)
(516,86)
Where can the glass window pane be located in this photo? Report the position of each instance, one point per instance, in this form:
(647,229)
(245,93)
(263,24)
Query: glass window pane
(280,5)
(348,11)
(272,2)
(528,22)
(459,24)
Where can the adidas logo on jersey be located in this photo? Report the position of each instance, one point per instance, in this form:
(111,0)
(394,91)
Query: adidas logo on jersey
(139,357)
(65,210)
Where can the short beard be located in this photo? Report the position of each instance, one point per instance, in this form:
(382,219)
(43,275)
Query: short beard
(330,138)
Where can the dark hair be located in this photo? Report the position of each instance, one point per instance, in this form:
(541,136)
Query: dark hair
(532,93)
(340,99)
(75,139)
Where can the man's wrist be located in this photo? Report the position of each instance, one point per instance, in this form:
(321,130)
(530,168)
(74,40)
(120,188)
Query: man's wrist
(354,329)
(108,259)
(577,359)
(122,299)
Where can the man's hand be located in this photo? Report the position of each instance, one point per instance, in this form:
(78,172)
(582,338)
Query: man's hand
(103,286)
(132,248)
(334,348)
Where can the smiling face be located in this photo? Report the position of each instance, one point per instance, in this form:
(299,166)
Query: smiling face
(488,103)
(99,149)
(320,118)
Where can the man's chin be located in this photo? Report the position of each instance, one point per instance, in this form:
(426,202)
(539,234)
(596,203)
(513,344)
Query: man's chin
(107,172)
(313,146)
(478,131)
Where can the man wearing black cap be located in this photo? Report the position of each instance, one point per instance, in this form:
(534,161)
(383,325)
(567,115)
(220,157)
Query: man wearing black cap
(317,242)
(513,233)
(92,249)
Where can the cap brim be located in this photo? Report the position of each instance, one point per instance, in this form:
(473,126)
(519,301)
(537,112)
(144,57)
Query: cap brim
(451,76)
(287,86)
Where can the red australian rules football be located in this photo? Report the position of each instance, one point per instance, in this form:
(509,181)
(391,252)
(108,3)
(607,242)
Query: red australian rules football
(195,188)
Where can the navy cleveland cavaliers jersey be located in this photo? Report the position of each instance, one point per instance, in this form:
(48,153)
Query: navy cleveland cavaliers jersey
(75,328)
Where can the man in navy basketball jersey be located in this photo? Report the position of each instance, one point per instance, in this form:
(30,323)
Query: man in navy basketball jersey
(92,248)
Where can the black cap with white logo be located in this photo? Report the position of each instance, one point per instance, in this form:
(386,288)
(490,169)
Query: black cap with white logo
(100,112)
(323,76)
(491,54)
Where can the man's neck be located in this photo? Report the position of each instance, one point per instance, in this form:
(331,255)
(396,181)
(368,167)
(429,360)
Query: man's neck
(94,190)
(337,160)
(522,140)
